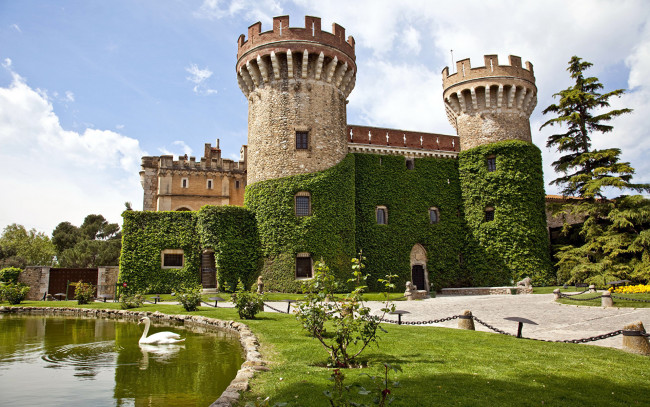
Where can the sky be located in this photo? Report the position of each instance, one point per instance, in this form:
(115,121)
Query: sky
(88,87)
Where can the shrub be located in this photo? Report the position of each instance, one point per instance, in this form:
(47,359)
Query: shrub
(84,292)
(189,297)
(14,293)
(248,303)
(344,328)
(131,301)
(10,274)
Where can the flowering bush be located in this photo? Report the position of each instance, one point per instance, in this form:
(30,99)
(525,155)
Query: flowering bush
(633,289)
(84,292)
(189,297)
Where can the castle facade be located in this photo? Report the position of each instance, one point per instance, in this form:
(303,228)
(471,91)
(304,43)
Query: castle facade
(437,210)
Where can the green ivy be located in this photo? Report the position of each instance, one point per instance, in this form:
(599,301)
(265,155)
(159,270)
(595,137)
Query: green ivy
(327,234)
(231,231)
(515,244)
(408,195)
(144,236)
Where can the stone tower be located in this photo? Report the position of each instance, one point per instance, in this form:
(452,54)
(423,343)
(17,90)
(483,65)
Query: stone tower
(296,81)
(490,103)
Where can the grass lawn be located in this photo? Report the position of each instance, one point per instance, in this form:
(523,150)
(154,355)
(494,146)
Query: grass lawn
(440,366)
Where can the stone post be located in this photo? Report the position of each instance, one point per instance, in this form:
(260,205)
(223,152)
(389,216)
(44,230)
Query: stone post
(592,288)
(465,321)
(408,293)
(633,339)
(556,292)
(607,299)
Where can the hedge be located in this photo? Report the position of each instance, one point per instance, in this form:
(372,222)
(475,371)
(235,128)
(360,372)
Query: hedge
(515,244)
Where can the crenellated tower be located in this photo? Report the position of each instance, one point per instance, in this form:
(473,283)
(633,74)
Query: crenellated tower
(490,103)
(297,81)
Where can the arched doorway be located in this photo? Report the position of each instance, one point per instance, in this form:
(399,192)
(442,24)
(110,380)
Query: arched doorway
(419,273)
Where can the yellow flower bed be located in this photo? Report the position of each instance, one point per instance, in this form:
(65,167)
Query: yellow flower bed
(633,289)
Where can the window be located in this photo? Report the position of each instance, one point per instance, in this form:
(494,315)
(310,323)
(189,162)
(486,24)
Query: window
(303,265)
(382,215)
(434,215)
(184,183)
(237,184)
(410,163)
(303,203)
(302,140)
(491,163)
(172,259)
(209,184)
(489,214)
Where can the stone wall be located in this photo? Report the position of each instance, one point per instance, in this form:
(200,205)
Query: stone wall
(477,130)
(38,280)
(486,290)
(106,280)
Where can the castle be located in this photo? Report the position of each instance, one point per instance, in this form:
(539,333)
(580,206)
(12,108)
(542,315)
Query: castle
(437,210)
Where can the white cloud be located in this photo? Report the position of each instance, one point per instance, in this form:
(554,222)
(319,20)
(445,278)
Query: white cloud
(17,28)
(411,40)
(251,10)
(199,77)
(51,174)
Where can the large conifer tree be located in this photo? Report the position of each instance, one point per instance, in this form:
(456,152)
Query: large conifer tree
(616,231)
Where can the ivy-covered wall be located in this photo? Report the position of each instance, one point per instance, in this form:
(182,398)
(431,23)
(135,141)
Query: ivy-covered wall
(328,233)
(515,244)
(408,194)
(228,230)
(144,236)
(231,231)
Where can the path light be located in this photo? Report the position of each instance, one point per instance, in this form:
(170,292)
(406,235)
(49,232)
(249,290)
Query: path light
(521,321)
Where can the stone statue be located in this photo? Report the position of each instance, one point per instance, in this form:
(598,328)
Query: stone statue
(260,285)
(526,282)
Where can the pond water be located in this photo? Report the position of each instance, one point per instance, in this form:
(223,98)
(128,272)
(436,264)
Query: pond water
(60,361)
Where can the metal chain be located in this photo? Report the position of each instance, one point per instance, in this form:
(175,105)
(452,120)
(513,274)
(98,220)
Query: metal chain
(580,299)
(629,299)
(275,309)
(571,295)
(497,330)
(433,321)
(209,305)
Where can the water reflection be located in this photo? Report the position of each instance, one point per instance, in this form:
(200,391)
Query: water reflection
(100,363)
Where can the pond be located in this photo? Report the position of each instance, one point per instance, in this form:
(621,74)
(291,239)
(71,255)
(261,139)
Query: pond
(98,362)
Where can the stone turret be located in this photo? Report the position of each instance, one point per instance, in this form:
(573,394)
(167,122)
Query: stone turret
(490,103)
(296,81)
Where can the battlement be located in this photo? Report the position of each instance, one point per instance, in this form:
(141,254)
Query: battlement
(491,69)
(211,161)
(282,32)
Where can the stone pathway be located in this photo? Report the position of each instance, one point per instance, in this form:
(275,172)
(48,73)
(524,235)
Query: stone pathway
(555,321)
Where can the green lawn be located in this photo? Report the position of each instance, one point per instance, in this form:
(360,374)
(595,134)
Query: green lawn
(440,366)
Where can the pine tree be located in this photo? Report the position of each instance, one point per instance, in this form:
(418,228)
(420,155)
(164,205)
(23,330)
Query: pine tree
(616,231)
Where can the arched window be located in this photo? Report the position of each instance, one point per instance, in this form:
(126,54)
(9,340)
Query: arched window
(489,214)
(434,215)
(410,163)
(185,183)
(491,163)
(303,203)
(381,213)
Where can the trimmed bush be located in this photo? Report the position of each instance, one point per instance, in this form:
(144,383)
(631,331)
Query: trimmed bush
(248,303)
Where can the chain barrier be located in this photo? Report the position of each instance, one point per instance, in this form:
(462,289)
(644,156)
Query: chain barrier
(497,330)
(571,295)
(629,299)
(209,305)
(580,299)
(433,321)
(275,309)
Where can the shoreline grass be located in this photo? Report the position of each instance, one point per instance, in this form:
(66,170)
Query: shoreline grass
(439,365)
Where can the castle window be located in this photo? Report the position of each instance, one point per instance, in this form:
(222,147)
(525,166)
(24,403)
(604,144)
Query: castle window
(172,259)
(184,183)
(303,203)
(237,184)
(489,214)
(303,266)
(302,140)
(381,213)
(491,163)
(434,215)
(410,163)
(209,184)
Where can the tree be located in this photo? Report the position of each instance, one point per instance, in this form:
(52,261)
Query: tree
(96,227)
(586,171)
(65,236)
(22,248)
(95,243)
(615,231)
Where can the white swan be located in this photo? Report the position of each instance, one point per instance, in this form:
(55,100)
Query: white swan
(158,338)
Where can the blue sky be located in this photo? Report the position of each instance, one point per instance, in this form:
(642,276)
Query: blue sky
(88,87)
